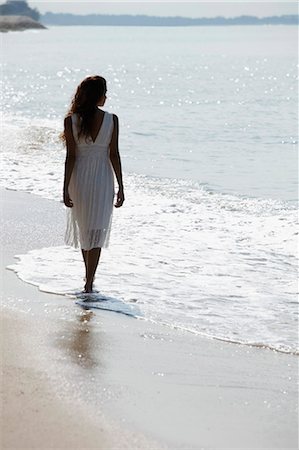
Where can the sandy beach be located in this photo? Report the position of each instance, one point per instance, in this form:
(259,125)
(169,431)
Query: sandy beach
(79,378)
(32,415)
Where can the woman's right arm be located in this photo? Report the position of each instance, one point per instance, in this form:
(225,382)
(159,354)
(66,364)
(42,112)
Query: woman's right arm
(69,160)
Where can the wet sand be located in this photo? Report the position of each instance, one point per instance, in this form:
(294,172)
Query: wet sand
(79,378)
(33,415)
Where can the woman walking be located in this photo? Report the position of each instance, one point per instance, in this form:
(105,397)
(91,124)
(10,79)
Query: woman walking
(91,137)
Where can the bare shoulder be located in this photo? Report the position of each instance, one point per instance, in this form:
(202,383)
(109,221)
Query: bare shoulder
(115,126)
(68,122)
(115,119)
(68,128)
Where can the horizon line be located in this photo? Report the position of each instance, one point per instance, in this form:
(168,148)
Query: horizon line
(168,17)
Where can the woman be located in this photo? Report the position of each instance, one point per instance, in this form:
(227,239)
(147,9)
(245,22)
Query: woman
(91,137)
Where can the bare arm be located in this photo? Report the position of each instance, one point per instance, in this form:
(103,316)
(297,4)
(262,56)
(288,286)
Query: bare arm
(116,162)
(69,160)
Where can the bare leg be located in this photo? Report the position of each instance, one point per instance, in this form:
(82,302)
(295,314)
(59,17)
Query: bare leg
(93,257)
(84,254)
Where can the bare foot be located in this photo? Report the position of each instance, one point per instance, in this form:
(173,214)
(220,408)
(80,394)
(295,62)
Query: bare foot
(88,288)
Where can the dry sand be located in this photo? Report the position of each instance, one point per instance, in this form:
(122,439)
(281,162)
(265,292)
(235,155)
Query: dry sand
(75,378)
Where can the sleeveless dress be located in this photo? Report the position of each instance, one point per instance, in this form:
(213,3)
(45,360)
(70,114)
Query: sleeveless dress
(91,188)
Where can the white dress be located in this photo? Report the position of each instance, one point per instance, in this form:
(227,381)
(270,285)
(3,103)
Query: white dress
(91,188)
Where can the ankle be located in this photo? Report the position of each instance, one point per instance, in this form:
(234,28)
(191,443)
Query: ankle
(88,286)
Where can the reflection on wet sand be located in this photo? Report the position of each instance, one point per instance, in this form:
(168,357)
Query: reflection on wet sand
(78,341)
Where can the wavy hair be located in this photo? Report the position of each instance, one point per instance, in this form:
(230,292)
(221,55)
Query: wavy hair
(85,101)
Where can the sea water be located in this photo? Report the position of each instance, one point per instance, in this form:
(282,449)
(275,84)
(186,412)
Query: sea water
(206,239)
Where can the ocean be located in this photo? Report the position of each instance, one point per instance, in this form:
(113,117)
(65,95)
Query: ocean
(207,238)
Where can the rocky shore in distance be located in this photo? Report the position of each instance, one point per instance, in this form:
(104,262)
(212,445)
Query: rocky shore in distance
(18,23)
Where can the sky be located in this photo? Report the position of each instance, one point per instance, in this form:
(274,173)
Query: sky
(169,8)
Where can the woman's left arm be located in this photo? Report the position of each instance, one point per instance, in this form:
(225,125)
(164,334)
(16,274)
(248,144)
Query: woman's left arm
(116,163)
(69,160)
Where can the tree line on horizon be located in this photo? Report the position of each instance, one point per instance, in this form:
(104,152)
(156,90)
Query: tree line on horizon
(144,20)
(17,7)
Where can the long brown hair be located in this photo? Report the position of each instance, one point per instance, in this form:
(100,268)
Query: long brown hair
(84,102)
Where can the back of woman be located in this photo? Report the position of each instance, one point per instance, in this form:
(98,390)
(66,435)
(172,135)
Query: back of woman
(91,136)
(91,187)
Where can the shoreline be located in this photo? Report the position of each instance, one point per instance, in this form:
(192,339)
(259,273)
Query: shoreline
(209,393)
(40,407)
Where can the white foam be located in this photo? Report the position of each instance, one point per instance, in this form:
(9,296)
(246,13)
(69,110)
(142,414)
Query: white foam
(219,265)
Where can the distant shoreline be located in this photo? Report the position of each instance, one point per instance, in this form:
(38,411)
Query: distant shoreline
(19,23)
(65,19)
